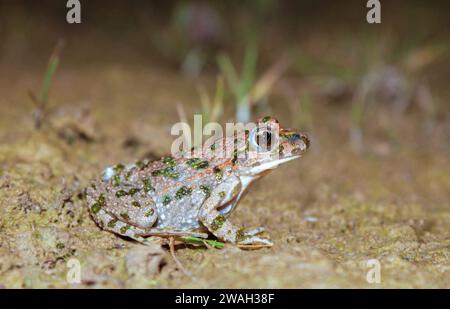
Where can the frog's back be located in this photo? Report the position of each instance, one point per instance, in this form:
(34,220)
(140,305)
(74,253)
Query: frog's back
(175,187)
(180,187)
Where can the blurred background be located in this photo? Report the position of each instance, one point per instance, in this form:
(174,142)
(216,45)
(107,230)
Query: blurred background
(374,99)
(261,54)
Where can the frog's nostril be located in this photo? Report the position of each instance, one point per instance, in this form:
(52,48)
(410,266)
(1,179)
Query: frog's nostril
(302,145)
(297,151)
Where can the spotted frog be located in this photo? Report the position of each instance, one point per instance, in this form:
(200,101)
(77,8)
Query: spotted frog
(191,195)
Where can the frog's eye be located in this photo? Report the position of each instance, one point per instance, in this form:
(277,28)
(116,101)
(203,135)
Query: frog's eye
(264,140)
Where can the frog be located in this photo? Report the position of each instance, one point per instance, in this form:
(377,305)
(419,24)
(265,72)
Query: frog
(193,193)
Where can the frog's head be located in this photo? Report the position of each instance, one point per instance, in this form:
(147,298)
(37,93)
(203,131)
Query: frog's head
(270,145)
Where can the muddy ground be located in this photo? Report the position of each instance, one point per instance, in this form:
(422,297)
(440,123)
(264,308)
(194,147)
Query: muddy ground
(327,213)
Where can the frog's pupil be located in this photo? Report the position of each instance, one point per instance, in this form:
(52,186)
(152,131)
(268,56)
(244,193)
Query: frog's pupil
(265,137)
(268,137)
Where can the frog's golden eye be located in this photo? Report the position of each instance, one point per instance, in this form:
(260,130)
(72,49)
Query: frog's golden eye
(264,139)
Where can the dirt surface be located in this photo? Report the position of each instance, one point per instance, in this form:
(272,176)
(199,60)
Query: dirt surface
(327,213)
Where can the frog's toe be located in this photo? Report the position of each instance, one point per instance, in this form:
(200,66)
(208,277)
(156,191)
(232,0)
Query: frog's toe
(255,231)
(255,242)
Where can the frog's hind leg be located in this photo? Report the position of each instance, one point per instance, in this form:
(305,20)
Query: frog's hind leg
(110,223)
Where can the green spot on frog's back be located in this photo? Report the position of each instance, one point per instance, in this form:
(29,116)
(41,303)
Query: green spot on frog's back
(121,193)
(170,161)
(157,173)
(166,200)
(131,192)
(192,161)
(128,175)
(116,180)
(183,191)
(148,185)
(167,172)
(197,163)
(206,189)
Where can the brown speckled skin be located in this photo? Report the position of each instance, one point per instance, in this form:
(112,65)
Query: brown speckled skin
(183,196)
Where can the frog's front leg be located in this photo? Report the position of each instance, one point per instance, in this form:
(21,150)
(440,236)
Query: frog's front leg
(221,226)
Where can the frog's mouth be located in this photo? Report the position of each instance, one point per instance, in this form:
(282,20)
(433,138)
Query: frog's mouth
(268,166)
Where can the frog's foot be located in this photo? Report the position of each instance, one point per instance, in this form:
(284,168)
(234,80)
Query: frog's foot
(253,241)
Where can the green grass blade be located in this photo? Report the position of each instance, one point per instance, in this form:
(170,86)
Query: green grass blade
(53,64)
(248,70)
(229,72)
(199,241)
(43,95)
(205,102)
(217,107)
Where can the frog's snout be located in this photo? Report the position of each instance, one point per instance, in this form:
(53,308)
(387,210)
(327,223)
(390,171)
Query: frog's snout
(302,143)
(306,141)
